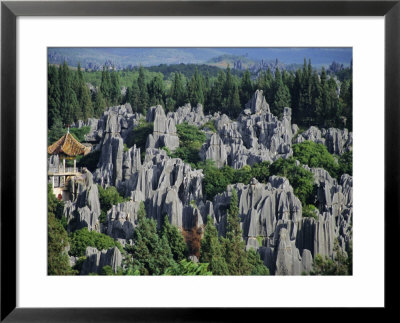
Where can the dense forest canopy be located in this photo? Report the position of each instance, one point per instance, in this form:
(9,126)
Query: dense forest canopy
(316,98)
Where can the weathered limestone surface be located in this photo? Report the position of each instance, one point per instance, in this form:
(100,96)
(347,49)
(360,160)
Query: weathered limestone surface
(336,140)
(84,209)
(164,131)
(270,212)
(96,260)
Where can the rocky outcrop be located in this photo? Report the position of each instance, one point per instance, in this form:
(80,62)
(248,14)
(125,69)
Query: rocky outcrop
(84,208)
(122,219)
(216,151)
(164,131)
(96,260)
(118,119)
(191,115)
(337,141)
(256,136)
(168,184)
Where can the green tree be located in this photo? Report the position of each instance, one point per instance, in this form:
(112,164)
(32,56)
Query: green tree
(156,91)
(316,155)
(175,239)
(212,251)
(301,179)
(143,96)
(257,266)
(151,253)
(115,88)
(246,88)
(178,90)
(99,104)
(53,96)
(57,238)
(188,268)
(105,86)
(196,89)
(235,254)
(83,238)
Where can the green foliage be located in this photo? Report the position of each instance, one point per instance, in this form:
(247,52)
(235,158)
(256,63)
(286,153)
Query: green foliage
(235,254)
(175,239)
(83,238)
(90,160)
(139,135)
(309,211)
(316,155)
(210,125)
(340,265)
(217,179)
(79,133)
(346,163)
(108,197)
(212,251)
(190,141)
(257,266)
(57,239)
(301,179)
(314,96)
(151,254)
(188,268)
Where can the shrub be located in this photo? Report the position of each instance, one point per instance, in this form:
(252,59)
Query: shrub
(346,163)
(309,211)
(301,179)
(316,155)
(139,135)
(190,141)
(108,197)
(188,268)
(210,125)
(83,238)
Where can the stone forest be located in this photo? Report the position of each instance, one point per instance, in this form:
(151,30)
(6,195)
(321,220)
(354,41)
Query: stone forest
(184,189)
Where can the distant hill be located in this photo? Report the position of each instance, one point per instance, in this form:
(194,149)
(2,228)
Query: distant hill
(120,58)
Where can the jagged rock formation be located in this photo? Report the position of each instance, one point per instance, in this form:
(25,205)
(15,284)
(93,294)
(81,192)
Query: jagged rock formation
(164,133)
(256,136)
(84,208)
(271,215)
(336,140)
(168,185)
(122,218)
(96,260)
(191,115)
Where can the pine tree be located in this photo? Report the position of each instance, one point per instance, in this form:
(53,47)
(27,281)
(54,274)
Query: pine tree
(235,102)
(115,89)
(86,103)
(246,88)
(105,86)
(212,251)
(175,240)
(151,253)
(156,91)
(178,91)
(53,96)
(143,96)
(99,104)
(196,89)
(216,93)
(235,254)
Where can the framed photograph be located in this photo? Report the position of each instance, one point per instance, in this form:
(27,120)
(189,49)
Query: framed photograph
(199,155)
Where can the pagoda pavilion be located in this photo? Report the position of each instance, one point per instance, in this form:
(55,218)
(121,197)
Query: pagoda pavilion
(65,148)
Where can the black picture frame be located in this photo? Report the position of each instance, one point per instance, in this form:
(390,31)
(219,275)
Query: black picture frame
(10,10)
